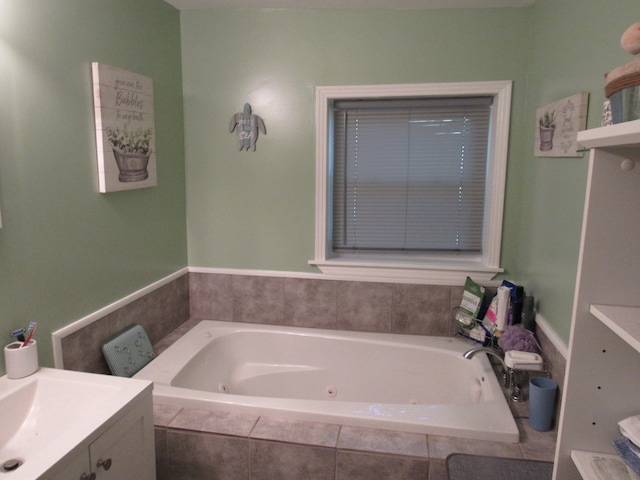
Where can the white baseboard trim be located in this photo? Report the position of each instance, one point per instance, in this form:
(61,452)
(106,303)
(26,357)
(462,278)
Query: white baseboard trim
(58,335)
(551,334)
(262,273)
(320,276)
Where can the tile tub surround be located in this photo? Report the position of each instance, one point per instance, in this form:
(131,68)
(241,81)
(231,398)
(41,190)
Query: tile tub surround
(159,312)
(338,304)
(319,303)
(278,300)
(194,443)
(300,302)
(184,450)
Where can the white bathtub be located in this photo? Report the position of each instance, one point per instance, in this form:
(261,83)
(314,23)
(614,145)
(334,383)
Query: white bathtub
(399,382)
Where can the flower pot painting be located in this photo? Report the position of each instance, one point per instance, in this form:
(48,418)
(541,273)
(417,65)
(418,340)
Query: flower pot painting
(546,138)
(557,127)
(133,167)
(131,152)
(124,119)
(547,129)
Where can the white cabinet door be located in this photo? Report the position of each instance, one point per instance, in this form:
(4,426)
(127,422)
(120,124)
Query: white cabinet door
(122,452)
(74,468)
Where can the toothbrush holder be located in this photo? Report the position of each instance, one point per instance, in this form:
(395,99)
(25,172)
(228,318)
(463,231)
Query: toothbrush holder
(21,361)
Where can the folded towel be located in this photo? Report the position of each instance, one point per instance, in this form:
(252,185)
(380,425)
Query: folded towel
(628,452)
(608,468)
(630,428)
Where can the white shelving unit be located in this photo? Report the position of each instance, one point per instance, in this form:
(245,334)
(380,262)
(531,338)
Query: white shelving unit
(624,321)
(602,382)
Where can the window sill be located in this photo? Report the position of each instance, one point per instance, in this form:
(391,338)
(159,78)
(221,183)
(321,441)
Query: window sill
(420,273)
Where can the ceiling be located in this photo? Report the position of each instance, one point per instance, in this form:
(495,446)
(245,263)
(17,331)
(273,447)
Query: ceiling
(348,4)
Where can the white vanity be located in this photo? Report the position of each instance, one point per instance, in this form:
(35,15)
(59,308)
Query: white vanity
(64,425)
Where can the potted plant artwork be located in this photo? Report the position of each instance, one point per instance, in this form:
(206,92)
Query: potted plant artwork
(547,127)
(125,129)
(557,125)
(131,149)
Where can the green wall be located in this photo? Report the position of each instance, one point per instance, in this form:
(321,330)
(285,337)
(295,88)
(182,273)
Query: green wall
(255,210)
(65,249)
(574,43)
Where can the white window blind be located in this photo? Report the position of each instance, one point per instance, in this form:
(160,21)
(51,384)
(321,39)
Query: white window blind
(409,174)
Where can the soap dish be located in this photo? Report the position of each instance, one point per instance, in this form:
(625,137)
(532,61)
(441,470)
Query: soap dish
(517,360)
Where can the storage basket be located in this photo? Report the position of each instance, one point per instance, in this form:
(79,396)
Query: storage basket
(624,95)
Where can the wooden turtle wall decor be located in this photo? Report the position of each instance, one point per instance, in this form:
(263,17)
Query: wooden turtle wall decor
(248,125)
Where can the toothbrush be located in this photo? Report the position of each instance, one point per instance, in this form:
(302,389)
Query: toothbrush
(31,330)
(19,334)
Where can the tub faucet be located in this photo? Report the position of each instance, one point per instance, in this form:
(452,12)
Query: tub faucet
(507,372)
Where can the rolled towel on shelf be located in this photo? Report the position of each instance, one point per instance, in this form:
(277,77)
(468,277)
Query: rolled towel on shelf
(628,452)
(607,468)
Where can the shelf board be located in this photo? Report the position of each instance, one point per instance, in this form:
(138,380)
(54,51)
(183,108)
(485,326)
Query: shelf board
(582,461)
(619,135)
(624,321)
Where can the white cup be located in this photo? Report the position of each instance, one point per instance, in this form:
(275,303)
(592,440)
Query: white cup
(21,361)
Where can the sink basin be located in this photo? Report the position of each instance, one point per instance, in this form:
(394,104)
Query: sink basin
(39,409)
(46,415)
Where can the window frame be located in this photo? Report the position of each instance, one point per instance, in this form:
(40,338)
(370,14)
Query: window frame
(441,269)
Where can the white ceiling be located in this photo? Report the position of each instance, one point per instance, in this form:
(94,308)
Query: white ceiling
(348,4)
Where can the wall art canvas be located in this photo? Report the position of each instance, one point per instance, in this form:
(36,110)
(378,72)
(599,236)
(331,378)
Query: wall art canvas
(125,129)
(558,124)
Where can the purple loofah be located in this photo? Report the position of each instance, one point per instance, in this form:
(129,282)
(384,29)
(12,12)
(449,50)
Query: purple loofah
(516,337)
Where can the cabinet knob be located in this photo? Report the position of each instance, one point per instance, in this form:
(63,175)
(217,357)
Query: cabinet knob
(84,476)
(106,464)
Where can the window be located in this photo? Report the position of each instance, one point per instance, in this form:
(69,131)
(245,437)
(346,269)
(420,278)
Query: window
(410,180)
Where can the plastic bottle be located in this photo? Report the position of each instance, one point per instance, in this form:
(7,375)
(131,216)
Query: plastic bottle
(503,310)
(516,306)
(529,314)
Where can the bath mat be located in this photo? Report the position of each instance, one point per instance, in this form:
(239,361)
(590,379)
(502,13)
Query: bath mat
(128,352)
(475,467)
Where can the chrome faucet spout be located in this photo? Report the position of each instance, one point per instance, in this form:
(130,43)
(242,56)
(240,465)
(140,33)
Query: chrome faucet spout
(469,354)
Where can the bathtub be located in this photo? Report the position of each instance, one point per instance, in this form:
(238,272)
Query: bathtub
(397,382)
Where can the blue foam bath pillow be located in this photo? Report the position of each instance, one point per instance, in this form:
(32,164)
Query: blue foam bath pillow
(128,352)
